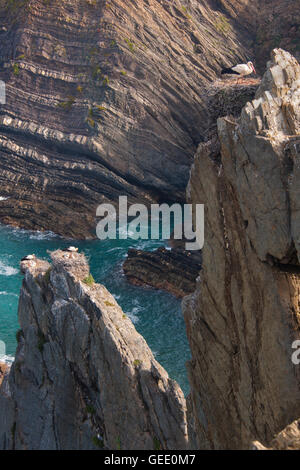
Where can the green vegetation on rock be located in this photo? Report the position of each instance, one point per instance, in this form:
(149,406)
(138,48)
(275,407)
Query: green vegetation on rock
(98,442)
(16,69)
(67,105)
(222,25)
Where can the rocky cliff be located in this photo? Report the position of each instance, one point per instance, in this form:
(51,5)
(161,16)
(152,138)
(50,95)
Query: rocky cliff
(106,98)
(287,439)
(244,315)
(109,97)
(174,270)
(83,378)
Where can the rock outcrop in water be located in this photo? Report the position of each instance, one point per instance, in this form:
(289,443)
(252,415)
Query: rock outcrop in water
(106,99)
(83,378)
(244,315)
(174,270)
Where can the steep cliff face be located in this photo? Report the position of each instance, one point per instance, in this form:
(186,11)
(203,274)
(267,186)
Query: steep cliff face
(106,98)
(244,314)
(278,26)
(83,378)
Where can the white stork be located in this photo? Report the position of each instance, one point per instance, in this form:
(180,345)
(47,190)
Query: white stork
(72,249)
(240,69)
(30,261)
(28,258)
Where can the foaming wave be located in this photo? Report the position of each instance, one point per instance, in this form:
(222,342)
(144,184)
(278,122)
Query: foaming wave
(4,292)
(134,318)
(42,235)
(133,314)
(7,270)
(33,235)
(116,248)
(124,231)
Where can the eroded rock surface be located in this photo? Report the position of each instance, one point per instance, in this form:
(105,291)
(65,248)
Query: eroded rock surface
(3,371)
(288,439)
(244,315)
(83,378)
(106,99)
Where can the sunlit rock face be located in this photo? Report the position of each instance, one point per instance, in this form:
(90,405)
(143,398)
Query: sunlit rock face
(244,315)
(287,439)
(106,98)
(83,378)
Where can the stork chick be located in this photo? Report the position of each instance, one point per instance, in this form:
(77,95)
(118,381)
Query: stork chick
(71,250)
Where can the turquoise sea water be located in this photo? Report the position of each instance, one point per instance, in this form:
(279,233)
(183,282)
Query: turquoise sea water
(156,315)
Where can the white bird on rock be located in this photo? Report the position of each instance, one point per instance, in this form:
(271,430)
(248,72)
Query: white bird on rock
(28,258)
(240,69)
(72,249)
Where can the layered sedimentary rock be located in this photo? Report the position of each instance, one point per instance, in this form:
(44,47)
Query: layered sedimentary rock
(105,98)
(174,270)
(288,439)
(83,378)
(244,315)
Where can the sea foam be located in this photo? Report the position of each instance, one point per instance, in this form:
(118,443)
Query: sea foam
(7,270)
